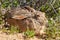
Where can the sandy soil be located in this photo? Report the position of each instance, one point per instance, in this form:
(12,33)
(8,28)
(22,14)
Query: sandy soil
(18,36)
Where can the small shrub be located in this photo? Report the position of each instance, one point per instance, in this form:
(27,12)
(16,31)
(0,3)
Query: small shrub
(14,29)
(29,33)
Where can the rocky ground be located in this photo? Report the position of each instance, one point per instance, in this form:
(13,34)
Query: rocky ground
(18,36)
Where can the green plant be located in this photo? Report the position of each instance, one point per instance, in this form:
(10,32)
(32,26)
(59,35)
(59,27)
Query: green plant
(53,30)
(14,29)
(8,3)
(29,33)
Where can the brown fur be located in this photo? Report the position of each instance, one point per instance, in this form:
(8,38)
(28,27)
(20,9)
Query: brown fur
(28,17)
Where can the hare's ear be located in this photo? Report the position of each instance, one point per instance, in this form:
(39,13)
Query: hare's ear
(18,17)
(29,8)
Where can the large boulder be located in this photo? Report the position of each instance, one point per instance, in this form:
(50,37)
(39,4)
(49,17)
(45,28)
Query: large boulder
(27,17)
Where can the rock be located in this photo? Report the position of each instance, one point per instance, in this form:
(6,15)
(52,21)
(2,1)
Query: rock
(4,36)
(18,36)
(34,38)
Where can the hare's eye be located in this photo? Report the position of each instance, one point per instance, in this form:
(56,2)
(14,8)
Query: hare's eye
(37,15)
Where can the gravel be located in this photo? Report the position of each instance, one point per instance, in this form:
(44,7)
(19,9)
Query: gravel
(17,36)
